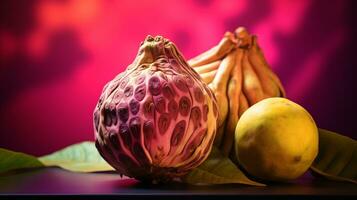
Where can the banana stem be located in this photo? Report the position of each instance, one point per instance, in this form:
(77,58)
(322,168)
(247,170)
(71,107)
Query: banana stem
(244,38)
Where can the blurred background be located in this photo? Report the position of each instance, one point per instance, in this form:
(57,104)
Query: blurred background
(56,55)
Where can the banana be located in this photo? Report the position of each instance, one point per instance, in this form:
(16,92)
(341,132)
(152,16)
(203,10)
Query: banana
(234,88)
(207,67)
(226,45)
(208,77)
(258,60)
(219,85)
(251,84)
(243,104)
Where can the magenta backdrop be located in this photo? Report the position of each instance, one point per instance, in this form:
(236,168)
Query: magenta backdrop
(57,55)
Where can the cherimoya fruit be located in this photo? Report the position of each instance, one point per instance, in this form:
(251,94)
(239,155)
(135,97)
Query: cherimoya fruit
(156,120)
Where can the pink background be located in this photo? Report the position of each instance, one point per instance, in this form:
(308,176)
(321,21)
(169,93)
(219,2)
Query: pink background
(56,56)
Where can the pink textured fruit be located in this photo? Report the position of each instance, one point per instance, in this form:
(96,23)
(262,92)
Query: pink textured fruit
(156,120)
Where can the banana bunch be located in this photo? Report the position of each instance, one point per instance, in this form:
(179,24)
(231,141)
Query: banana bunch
(239,76)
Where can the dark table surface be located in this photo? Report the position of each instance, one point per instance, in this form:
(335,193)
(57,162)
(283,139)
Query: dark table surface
(59,181)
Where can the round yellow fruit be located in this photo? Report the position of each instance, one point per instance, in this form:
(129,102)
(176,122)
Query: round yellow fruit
(276,139)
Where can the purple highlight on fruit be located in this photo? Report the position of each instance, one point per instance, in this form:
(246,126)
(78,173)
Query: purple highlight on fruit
(180,83)
(160,104)
(196,116)
(148,130)
(124,134)
(128,91)
(148,108)
(178,133)
(167,91)
(140,92)
(164,123)
(134,106)
(135,127)
(198,94)
(154,86)
(184,106)
(109,117)
(173,109)
(123,112)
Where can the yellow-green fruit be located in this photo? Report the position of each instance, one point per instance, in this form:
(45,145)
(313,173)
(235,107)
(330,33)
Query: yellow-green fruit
(276,139)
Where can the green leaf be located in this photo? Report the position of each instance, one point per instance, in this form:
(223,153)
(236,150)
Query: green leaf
(81,157)
(11,160)
(218,169)
(337,158)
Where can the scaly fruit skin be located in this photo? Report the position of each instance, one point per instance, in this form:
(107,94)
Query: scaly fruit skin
(157,120)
